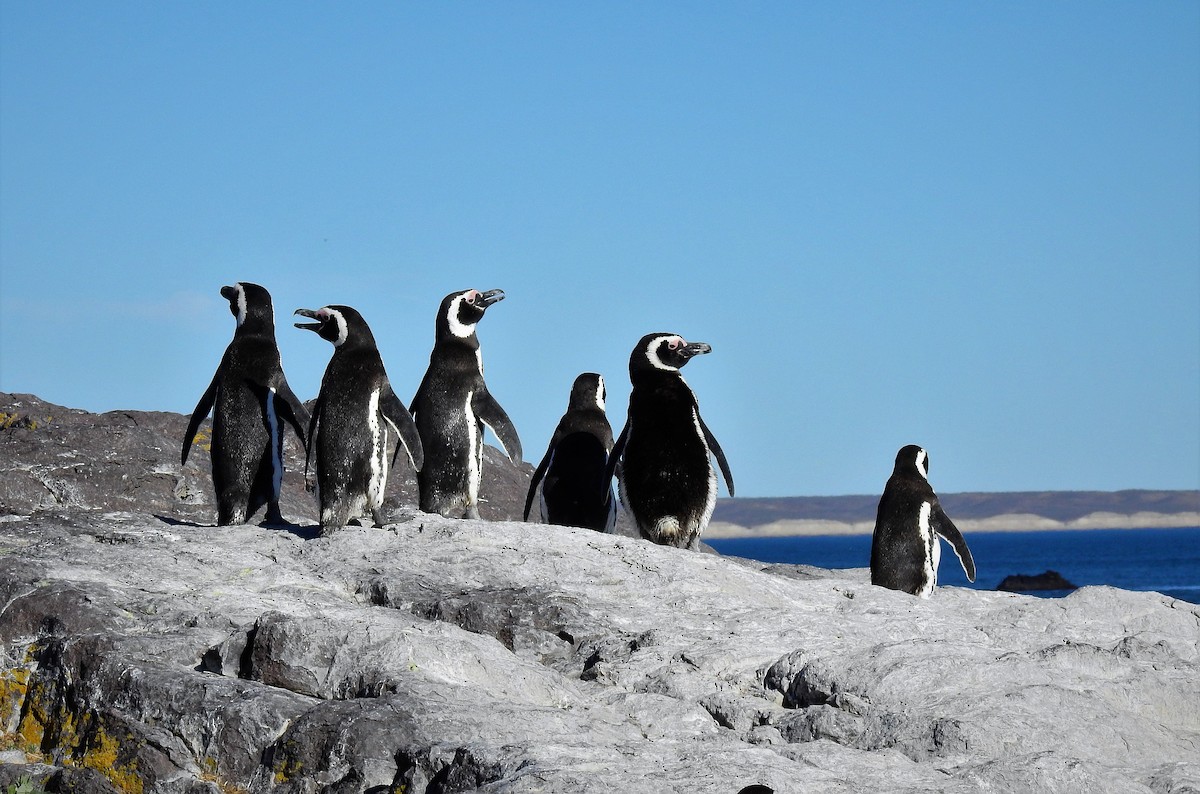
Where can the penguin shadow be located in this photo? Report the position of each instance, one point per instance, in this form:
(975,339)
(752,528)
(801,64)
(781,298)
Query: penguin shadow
(302,531)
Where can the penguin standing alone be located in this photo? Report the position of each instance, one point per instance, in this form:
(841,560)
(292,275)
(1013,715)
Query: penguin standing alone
(250,396)
(453,404)
(574,490)
(905,549)
(349,430)
(667,484)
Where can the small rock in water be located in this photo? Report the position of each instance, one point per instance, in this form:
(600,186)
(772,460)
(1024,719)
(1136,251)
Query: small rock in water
(1023,583)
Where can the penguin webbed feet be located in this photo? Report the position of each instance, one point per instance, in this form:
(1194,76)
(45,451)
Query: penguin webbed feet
(274,518)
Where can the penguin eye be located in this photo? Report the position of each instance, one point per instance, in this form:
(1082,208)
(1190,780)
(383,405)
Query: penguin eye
(470,296)
(673,343)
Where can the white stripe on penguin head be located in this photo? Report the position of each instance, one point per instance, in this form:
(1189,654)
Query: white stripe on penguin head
(343,331)
(600,392)
(458,327)
(241,303)
(921,458)
(652,351)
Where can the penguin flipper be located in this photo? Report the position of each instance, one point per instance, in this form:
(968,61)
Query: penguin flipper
(416,400)
(199,415)
(717,452)
(614,456)
(942,524)
(293,411)
(312,433)
(488,410)
(538,474)
(406,429)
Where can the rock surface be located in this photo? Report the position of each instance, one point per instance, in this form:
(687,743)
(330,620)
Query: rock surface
(56,458)
(144,650)
(438,655)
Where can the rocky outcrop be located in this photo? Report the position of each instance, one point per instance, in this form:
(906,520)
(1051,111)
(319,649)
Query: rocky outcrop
(446,656)
(62,458)
(144,650)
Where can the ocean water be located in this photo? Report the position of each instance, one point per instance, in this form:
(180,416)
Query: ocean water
(1161,560)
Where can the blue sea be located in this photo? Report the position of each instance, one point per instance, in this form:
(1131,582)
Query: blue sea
(1162,560)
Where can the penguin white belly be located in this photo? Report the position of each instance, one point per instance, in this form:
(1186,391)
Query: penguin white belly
(377,462)
(932,549)
(474,452)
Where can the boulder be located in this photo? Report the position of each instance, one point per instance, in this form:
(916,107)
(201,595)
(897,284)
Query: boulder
(1027,583)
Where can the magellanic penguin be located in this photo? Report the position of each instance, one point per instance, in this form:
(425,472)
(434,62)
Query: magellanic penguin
(905,549)
(667,484)
(250,399)
(451,407)
(574,490)
(350,422)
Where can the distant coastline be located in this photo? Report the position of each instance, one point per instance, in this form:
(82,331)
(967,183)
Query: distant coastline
(1015,522)
(1014,511)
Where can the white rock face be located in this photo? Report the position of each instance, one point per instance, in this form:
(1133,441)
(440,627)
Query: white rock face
(449,656)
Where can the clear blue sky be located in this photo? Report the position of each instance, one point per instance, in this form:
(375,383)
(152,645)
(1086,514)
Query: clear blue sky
(970,226)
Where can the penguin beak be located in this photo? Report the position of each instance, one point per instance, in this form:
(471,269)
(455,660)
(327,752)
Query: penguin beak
(309,326)
(694,349)
(228,293)
(486,299)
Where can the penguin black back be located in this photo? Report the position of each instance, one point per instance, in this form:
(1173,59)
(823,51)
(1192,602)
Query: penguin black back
(905,550)
(350,425)
(667,483)
(453,404)
(575,491)
(250,400)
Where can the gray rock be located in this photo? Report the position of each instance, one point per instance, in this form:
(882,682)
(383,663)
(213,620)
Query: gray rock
(505,657)
(144,650)
(63,458)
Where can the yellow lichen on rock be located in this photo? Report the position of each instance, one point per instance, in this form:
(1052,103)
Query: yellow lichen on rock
(13,685)
(203,439)
(53,732)
(104,757)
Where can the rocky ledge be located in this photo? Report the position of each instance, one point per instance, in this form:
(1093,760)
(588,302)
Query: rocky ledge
(142,654)
(144,650)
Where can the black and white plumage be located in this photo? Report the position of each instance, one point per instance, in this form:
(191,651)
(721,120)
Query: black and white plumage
(250,400)
(574,489)
(905,549)
(667,483)
(355,410)
(451,407)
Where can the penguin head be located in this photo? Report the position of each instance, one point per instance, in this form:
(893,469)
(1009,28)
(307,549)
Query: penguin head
(664,351)
(251,305)
(337,324)
(912,459)
(588,393)
(460,311)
